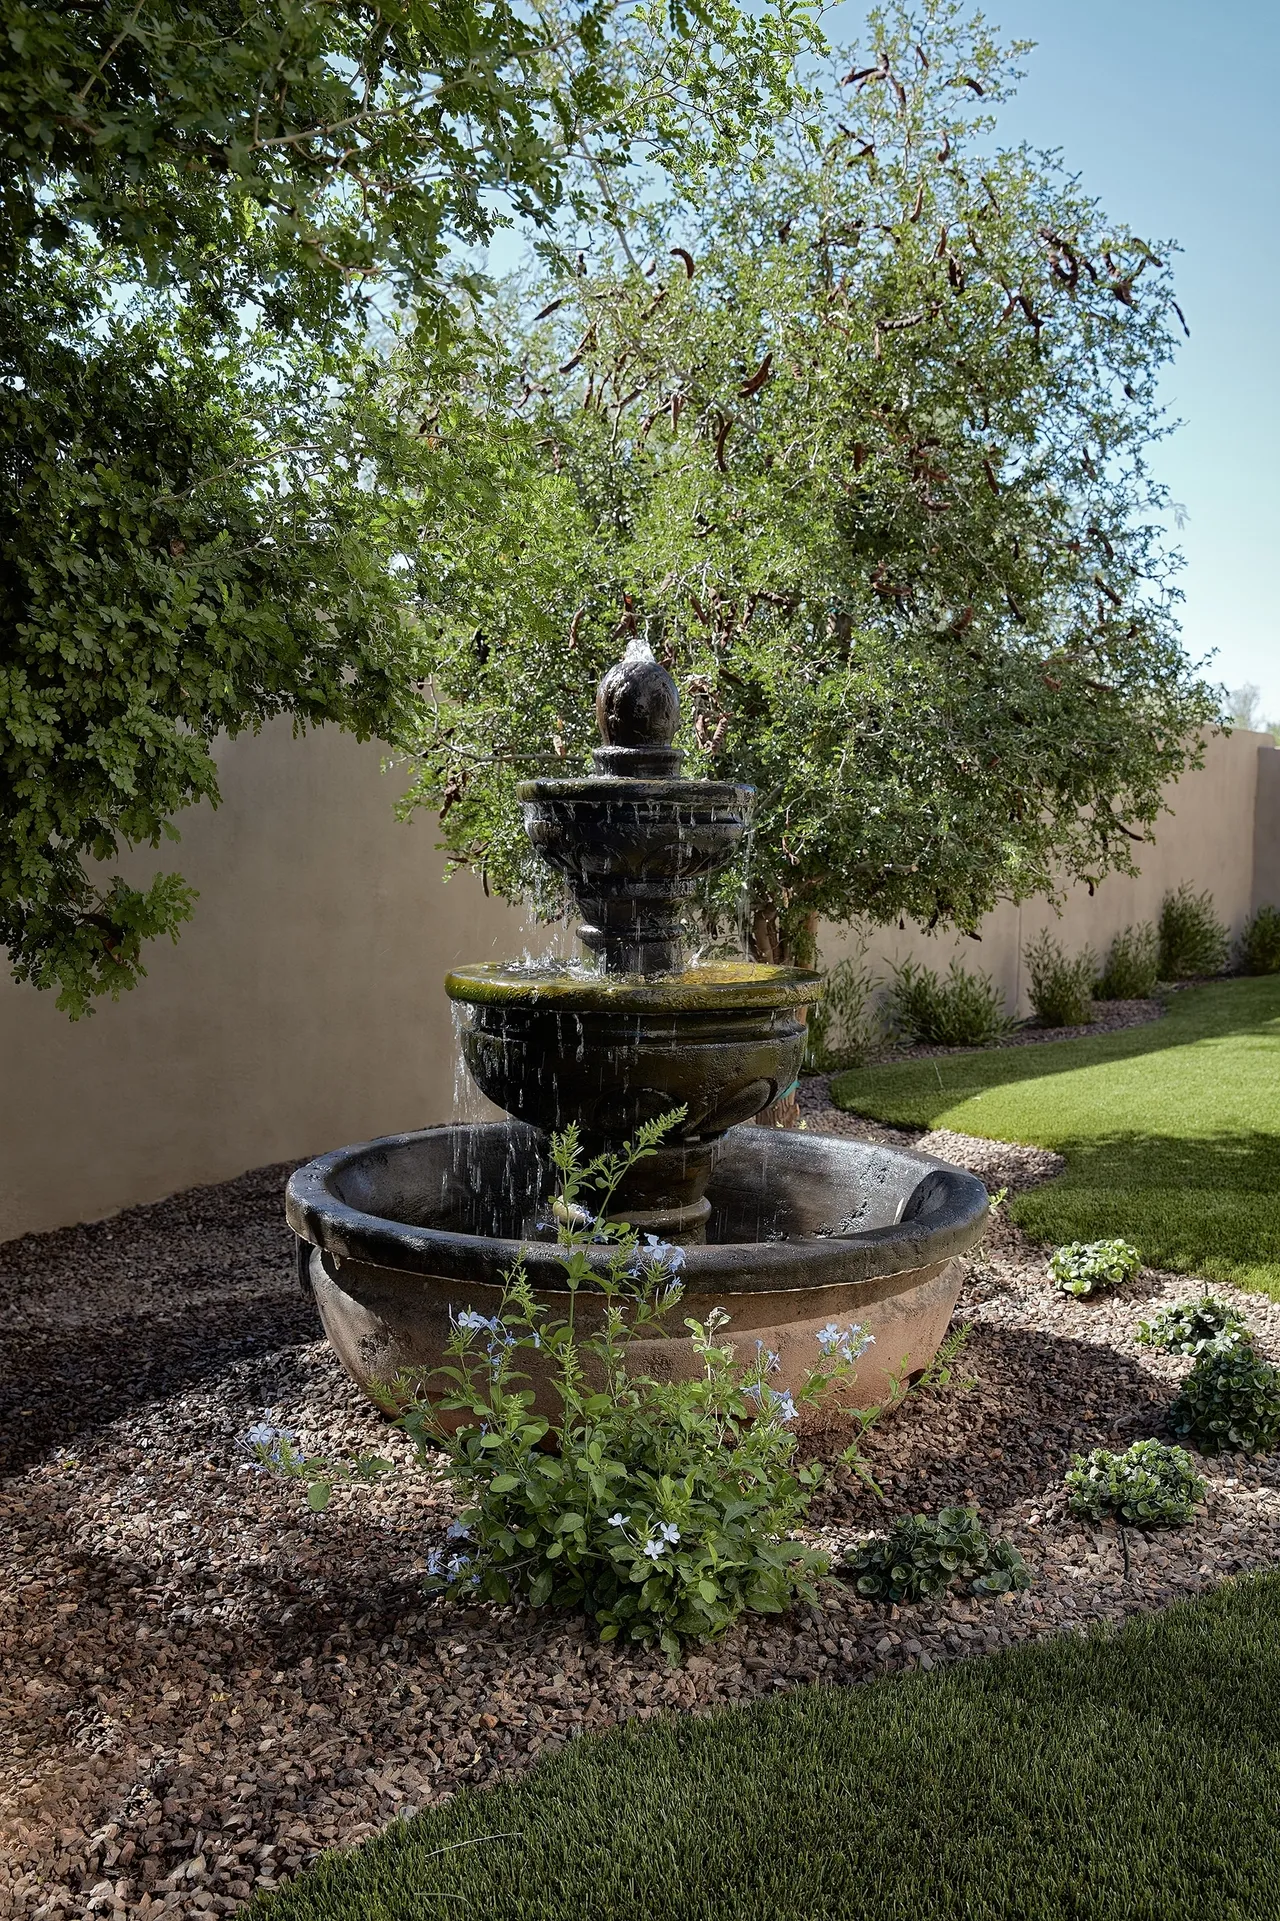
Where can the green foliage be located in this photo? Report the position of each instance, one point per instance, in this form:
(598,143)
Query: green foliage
(858,434)
(842,1025)
(1132,966)
(1230,1399)
(1149,1485)
(920,1559)
(1189,1327)
(661,1509)
(962,1009)
(1260,942)
(1086,1267)
(1061,990)
(231,251)
(1193,941)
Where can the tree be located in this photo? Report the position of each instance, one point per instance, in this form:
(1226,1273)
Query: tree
(859,430)
(207,212)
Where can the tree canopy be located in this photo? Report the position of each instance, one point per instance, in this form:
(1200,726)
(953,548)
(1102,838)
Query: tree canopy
(859,430)
(207,210)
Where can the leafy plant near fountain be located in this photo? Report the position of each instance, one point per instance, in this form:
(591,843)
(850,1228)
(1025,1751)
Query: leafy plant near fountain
(1149,1485)
(1086,1267)
(662,1509)
(1230,1401)
(920,1559)
(1189,1327)
(843,1025)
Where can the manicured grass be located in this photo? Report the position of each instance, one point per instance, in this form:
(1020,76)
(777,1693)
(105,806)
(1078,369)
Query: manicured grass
(1130,1777)
(1171,1132)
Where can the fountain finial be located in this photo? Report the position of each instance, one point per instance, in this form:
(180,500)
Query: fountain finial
(638,711)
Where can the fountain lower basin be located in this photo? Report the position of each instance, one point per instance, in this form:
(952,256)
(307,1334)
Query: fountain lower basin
(398,1235)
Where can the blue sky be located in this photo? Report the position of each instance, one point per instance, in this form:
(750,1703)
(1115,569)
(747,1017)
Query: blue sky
(1167,110)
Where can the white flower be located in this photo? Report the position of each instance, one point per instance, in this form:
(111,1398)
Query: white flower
(617,1520)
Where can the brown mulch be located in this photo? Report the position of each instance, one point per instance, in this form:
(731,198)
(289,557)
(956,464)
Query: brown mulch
(205,1685)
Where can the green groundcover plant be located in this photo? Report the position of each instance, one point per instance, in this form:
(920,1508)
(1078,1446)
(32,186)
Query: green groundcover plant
(1149,1485)
(663,1510)
(1132,966)
(1189,1327)
(920,1559)
(1230,1401)
(1086,1267)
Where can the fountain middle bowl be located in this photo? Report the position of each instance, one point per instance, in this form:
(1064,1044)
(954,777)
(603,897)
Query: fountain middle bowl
(555,1046)
(397,1236)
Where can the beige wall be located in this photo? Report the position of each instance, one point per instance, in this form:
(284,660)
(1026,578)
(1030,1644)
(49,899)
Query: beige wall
(303,1006)
(1222,833)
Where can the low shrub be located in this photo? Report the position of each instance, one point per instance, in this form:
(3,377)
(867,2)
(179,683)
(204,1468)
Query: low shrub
(920,1559)
(1061,990)
(842,1026)
(1132,966)
(1193,941)
(1189,1327)
(1086,1267)
(1149,1485)
(1230,1400)
(1260,942)
(960,1010)
(663,1510)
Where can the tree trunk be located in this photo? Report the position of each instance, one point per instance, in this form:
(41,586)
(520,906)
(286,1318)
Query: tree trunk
(770,944)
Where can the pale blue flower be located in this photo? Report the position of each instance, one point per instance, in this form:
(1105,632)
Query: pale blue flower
(668,1530)
(772,1361)
(262,1436)
(655,1549)
(458,1531)
(829,1338)
(783,1405)
(458,1565)
(755,1391)
(664,1253)
(617,1520)
(435,1560)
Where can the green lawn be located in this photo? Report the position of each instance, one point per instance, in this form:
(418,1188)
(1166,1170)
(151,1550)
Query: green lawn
(1133,1777)
(1171,1132)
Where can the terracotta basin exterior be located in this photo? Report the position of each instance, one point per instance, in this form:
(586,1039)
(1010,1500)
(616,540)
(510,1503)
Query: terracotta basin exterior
(398,1235)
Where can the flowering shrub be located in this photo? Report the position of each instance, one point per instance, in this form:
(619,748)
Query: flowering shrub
(1085,1267)
(1230,1399)
(920,1559)
(1149,1485)
(1189,1327)
(661,1509)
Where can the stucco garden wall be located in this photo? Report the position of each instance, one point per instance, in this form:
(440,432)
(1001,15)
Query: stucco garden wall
(1222,833)
(303,1007)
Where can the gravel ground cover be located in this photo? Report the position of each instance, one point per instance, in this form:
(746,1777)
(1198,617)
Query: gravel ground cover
(205,1686)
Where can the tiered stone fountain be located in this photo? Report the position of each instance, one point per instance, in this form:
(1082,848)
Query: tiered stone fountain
(786,1231)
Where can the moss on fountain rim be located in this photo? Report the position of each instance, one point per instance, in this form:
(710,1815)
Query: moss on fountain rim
(719,984)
